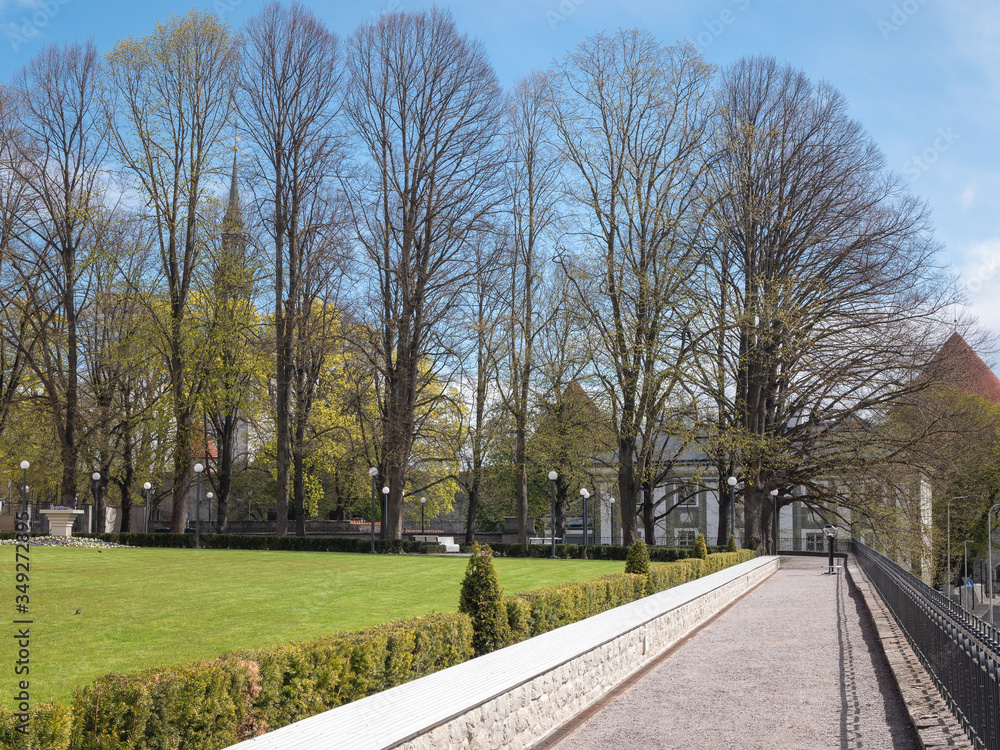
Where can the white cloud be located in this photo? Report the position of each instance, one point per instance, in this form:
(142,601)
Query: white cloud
(968,196)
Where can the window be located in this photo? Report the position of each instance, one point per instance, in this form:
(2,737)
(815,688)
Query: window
(686,537)
(815,541)
(687,496)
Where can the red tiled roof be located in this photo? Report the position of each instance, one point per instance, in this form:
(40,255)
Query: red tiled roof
(957,364)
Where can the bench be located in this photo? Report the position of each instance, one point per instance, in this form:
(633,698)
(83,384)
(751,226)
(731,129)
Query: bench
(834,569)
(447,541)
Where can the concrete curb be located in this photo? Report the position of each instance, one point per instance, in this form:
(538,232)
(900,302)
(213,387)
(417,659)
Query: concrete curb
(934,722)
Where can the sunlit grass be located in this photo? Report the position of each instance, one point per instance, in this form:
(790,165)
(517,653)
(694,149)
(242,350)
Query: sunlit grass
(147,607)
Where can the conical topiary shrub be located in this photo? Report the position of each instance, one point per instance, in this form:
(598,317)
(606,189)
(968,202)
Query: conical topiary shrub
(731,544)
(700,548)
(482,600)
(637,559)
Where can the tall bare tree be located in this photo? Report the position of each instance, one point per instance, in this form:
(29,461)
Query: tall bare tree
(169,100)
(426,110)
(532,176)
(633,118)
(15,343)
(483,311)
(289,100)
(834,294)
(62,166)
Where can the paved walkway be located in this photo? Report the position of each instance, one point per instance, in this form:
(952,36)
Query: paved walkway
(794,665)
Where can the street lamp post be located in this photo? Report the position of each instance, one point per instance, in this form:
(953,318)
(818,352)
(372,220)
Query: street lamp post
(553,476)
(611,500)
(732,505)
(585,494)
(989,563)
(423,502)
(385,509)
(209,496)
(145,527)
(831,532)
(24,488)
(198,469)
(774,519)
(373,473)
(96,476)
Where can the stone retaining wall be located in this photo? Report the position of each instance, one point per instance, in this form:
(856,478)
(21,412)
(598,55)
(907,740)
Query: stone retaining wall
(511,698)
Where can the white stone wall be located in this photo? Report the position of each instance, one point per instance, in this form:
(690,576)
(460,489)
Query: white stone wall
(520,717)
(513,697)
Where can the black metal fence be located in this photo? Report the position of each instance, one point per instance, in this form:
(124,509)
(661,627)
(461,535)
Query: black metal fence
(959,650)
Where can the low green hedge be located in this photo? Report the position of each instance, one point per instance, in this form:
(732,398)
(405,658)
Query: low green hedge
(556,606)
(213,704)
(266,542)
(657,553)
(50,727)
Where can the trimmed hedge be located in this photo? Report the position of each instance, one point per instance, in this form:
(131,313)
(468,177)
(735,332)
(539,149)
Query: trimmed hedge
(556,606)
(50,727)
(213,704)
(268,542)
(657,553)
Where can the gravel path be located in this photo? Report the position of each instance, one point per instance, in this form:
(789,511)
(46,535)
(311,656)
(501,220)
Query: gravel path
(794,665)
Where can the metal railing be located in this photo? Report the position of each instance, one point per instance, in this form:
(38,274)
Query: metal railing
(959,650)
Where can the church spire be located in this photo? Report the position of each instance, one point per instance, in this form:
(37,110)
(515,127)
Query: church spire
(230,272)
(234,214)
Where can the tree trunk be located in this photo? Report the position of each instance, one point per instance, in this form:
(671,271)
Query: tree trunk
(648,513)
(470,522)
(299,484)
(626,491)
(725,505)
(752,519)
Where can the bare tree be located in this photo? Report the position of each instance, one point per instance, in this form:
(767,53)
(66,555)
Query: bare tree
(289,100)
(834,294)
(483,310)
(426,110)
(62,166)
(532,176)
(169,99)
(633,118)
(16,346)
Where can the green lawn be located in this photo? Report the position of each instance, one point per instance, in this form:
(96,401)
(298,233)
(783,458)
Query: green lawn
(146,607)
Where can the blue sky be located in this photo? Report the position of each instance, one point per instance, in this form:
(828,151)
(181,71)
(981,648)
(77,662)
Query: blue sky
(923,76)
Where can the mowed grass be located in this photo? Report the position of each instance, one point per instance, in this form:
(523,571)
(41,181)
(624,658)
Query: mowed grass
(149,607)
